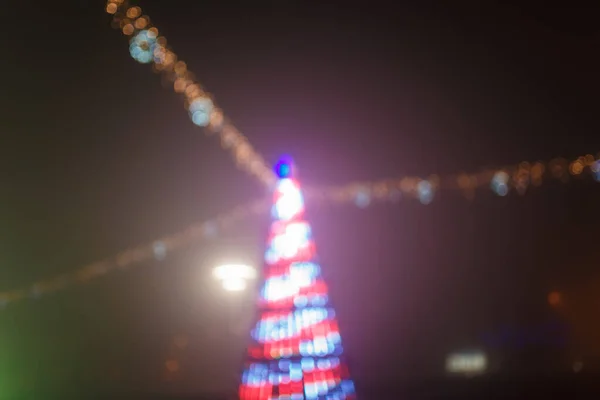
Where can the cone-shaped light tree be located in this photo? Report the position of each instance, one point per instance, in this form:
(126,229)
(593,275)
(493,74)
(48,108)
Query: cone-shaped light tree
(296,350)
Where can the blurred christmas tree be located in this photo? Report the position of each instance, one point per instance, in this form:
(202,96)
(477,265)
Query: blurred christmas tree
(296,345)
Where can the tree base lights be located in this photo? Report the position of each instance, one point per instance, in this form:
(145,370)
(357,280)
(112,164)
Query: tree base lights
(296,348)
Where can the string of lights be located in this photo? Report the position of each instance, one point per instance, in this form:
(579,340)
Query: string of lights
(502,181)
(147,46)
(517,178)
(157,250)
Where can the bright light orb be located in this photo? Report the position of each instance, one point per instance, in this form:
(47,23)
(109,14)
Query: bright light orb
(284,168)
(425,192)
(142,46)
(234,271)
(466,363)
(362,198)
(234,285)
(200,110)
(289,202)
(295,237)
(234,277)
(499,183)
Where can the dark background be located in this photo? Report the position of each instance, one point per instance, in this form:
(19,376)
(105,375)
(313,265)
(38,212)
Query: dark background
(96,156)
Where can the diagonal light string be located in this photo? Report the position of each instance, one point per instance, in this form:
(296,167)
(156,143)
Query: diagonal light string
(131,21)
(135,256)
(147,46)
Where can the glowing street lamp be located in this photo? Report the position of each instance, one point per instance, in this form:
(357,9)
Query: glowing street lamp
(234,277)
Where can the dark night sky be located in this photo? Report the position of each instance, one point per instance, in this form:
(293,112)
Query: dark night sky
(97,156)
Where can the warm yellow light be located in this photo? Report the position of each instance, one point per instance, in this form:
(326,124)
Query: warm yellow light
(134,12)
(128,29)
(141,23)
(111,8)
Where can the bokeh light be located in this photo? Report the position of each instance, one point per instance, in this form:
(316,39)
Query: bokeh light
(554,298)
(134,12)
(142,46)
(425,192)
(499,183)
(172,365)
(234,277)
(128,29)
(362,198)
(111,8)
(200,110)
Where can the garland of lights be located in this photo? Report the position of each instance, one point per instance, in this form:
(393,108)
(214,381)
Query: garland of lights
(517,178)
(501,181)
(157,249)
(147,42)
(146,46)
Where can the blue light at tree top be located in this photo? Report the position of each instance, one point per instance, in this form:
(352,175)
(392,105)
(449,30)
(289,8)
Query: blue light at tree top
(284,167)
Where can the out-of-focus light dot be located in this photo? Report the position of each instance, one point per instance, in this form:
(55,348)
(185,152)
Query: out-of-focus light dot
(209,229)
(193,92)
(180,68)
(141,22)
(200,110)
(142,47)
(425,192)
(395,195)
(234,284)
(323,364)
(111,8)
(499,183)
(181,341)
(134,12)
(576,167)
(172,365)
(160,250)
(554,298)
(271,257)
(284,167)
(348,386)
(128,29)
(36,291)
(362,199)
(153,33)
(162,41)
(145,58)
(243,151)
(301,301)
(179,85)
(595,168)
(307,364)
